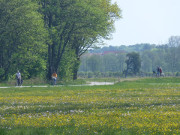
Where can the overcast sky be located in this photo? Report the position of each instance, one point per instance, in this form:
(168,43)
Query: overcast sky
(146,21)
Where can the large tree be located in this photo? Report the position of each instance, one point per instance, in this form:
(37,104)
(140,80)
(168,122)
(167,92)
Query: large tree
(94,23)
(59,22)
(75,23)
(22,37)
(133,63)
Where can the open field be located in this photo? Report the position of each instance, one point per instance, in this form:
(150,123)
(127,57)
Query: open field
(145,106)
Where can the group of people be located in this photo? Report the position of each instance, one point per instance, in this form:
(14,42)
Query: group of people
(158,71)
(20,81)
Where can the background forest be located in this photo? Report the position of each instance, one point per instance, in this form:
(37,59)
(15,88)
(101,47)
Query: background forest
(111,61)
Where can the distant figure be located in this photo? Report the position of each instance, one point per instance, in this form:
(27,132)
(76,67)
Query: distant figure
(160,71)
(54,78)
(18,77)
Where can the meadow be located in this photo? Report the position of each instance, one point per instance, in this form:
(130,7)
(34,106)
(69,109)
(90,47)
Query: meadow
(148,106)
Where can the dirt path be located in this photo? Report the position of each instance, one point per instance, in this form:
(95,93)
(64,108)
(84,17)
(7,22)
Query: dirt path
(36,86)
(100,83)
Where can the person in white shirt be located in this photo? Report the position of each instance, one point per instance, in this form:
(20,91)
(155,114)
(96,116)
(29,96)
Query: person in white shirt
(18,77)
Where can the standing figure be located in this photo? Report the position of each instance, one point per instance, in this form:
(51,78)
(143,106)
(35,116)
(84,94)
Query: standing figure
(54,78)
(18,77)
(160,71)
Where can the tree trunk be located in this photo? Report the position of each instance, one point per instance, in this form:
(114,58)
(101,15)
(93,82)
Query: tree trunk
(49,63)
(76,68)
(50,57)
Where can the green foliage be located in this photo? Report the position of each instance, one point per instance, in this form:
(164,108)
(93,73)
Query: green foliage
(103,63)
(35,35)
(66,69)
(177,74)
(151,56)
(77,25)
(133,63)
(22,38)
(23,35)
(1,71)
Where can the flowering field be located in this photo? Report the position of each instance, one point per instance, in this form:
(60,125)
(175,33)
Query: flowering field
(136,107)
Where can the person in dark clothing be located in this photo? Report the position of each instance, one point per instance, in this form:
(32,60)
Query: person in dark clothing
(158,71)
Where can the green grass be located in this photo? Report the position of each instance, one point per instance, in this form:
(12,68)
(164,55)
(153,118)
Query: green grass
(38,81)
(160,80)
(144,106)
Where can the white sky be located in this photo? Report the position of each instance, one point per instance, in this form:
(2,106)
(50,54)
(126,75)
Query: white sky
(146,21)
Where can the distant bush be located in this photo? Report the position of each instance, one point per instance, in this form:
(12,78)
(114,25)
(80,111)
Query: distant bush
(177,74)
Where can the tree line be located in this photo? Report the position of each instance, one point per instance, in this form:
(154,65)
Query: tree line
(144,57)
(39,37)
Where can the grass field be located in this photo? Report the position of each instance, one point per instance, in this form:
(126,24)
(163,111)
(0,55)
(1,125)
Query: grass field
(145,107)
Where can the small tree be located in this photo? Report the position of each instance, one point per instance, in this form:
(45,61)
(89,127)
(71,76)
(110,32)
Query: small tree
(133,63)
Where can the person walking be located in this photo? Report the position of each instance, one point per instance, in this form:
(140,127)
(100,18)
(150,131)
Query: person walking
(18,78)
(54,78)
